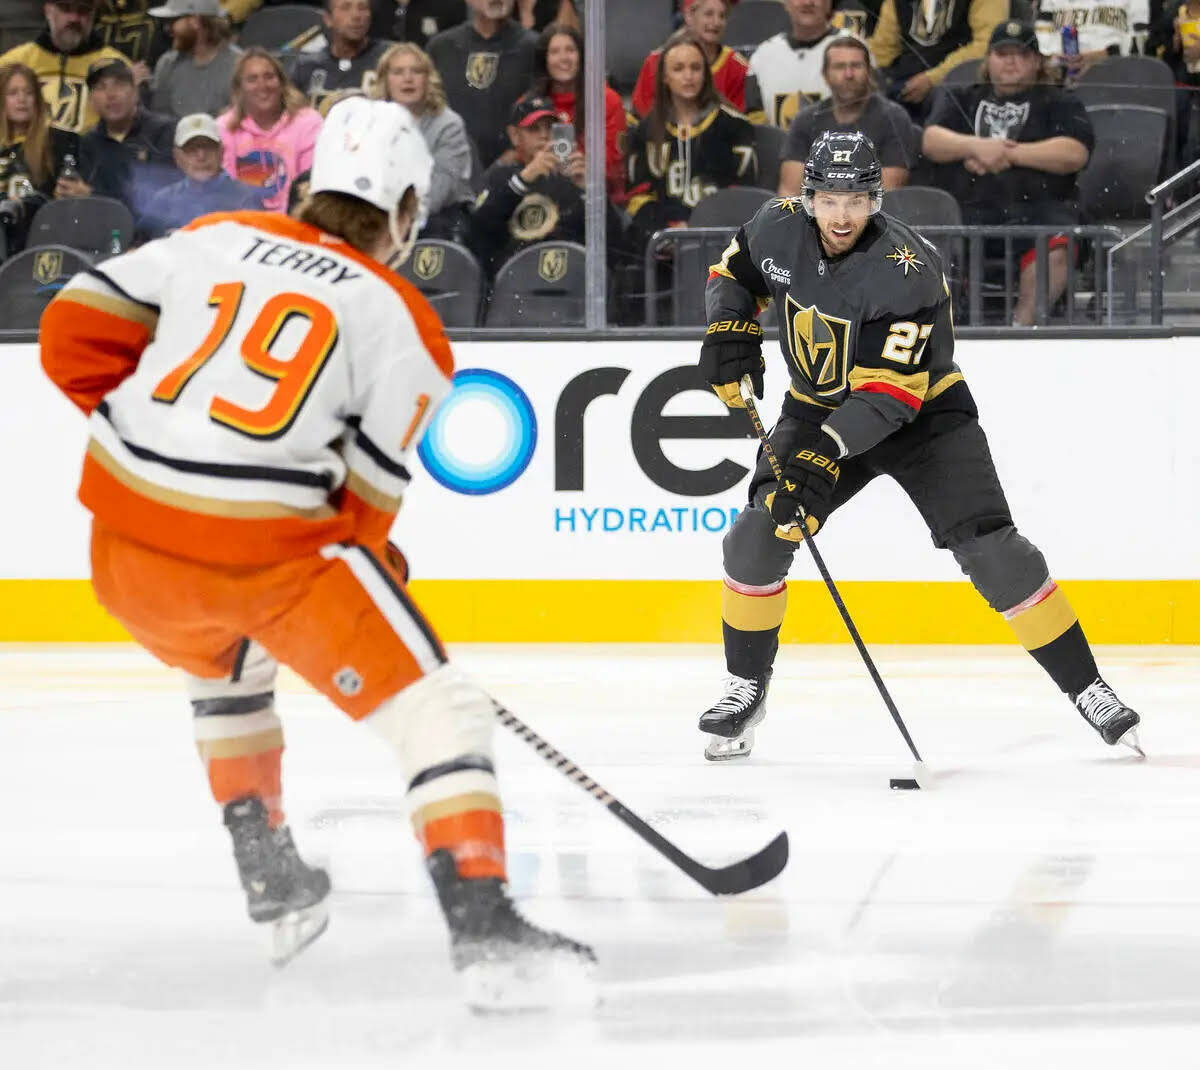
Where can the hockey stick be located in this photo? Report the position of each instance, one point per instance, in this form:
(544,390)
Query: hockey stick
(747,391)
(728,880)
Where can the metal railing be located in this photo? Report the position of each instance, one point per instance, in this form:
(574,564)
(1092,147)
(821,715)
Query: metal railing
(685,254)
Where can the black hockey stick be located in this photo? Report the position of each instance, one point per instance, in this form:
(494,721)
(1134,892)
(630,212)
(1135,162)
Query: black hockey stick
(729,880)
(747,391)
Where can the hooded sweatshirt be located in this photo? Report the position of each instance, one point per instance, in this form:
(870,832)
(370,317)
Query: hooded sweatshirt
(269,160)
(446,138)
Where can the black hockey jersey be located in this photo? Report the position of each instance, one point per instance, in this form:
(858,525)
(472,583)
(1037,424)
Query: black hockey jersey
(321,75)
(668,179)
(868,335)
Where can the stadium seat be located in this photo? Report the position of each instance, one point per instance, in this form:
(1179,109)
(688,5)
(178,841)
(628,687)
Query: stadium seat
(753,21)
(768,145)
(729,207)
(85,223)
(1125,161)
(1138,81)
(30,280)
(542,286)
(965,73)
(921,206)
(273,27)
(450,279)
(632,30)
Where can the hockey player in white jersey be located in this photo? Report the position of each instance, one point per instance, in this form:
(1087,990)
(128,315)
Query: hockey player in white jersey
(256,385)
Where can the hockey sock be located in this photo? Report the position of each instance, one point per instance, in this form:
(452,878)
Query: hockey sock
(1047,627)
(750,621)
(475,837)
(242,750)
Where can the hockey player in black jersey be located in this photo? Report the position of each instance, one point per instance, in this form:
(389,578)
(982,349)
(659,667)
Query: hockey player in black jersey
(868,337)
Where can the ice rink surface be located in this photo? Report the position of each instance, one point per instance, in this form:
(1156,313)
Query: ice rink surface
(1039,907)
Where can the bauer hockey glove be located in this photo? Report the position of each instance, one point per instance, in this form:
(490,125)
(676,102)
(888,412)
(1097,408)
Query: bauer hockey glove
(733,349)
(810,475)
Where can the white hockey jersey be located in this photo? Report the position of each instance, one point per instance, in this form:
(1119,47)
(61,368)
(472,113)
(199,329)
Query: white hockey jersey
(255,387)
(787,78)
(1099,24)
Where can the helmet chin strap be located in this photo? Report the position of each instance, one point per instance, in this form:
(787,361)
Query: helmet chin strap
(404,242)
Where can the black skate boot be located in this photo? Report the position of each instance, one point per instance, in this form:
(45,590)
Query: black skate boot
(1117,723)
(731,720)
(280,888)
(506,963)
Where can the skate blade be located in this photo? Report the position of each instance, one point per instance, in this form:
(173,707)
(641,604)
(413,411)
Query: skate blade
(1130,740)
(724,749)
(289,935)
(534,982)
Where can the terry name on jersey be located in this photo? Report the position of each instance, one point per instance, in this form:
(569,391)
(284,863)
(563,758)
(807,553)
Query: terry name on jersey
(303,261)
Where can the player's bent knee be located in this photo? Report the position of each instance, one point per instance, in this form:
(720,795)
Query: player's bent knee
(1005,567)
(441,728)
(752,555)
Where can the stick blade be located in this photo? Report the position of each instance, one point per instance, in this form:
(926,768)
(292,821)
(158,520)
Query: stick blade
(752,872)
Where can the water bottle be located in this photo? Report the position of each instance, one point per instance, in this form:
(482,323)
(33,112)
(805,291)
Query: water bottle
(1070,49)
(114,243)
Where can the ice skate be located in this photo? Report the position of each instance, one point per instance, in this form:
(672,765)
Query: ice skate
(506,963)
(731,721)
(282,892)
(1117,723)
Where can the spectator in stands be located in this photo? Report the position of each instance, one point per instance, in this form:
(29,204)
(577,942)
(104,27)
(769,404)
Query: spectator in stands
(204,188)
(269,131)
(32,152)
(1014,145)
(689,146)
(485,64)
(348,60)
(785,70)
(536,15)
(415,21)
(537,198)
(196,73)
(128,154)
(917,43)
(1175,39)
(558,76)
(61,57)
(706,20)
(1102,28)
(407,75)
(854,105)
(128,26)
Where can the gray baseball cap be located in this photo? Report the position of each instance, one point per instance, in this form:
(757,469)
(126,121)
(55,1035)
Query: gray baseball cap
(174,9)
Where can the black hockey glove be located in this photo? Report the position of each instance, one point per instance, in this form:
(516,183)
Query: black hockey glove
(732,349)
(810,475)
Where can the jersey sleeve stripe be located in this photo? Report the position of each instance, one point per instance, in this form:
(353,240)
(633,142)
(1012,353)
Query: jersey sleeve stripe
(909,389)
(375,498)
(394,468)
(96,273)
(118,304)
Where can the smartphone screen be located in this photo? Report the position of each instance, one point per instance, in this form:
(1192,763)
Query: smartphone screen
(562,140)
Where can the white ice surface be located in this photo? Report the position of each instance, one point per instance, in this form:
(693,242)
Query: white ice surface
(1038,908)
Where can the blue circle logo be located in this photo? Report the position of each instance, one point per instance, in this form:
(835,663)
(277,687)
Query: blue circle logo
(483,436)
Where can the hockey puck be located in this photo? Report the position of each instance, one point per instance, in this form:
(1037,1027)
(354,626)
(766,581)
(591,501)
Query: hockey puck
(903,784)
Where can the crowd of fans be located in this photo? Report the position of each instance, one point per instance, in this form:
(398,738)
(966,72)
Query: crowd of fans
(159,107)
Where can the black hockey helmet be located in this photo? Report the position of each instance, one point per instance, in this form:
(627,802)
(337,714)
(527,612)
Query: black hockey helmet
(843,163)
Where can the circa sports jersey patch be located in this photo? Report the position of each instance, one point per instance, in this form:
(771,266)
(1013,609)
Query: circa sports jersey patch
(905,258)
(780,274)
(1007,120)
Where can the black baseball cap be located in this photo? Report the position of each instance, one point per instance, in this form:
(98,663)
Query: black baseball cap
(528,110)
(103,68)
(1013,32)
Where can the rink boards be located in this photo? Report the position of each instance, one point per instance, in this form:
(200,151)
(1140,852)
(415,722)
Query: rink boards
(580,491)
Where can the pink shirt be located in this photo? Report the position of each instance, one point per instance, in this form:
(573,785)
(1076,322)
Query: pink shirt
(270,159)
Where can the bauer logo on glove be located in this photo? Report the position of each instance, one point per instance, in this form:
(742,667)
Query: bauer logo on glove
(732,349)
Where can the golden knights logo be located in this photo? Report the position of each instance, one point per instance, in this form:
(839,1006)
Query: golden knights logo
(552,264)
(482,68)
(429,261)
(819,346)
(47,267)
(930,21)
(535,218)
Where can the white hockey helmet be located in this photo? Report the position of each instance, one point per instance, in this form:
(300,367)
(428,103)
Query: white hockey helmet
(373,150)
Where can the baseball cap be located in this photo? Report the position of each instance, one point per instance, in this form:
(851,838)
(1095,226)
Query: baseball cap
(1013,32)
(528,110)
(688,3)
(174,9)
(194,126)
(102,68)
(76,4)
